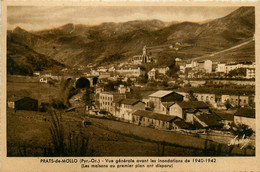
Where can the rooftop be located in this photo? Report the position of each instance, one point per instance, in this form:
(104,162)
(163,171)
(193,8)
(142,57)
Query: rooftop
(130,101)
(151,115)
(192,105)
(112,93)
(210,120)
(226,116)
(218,91)
(245,112)
(161,93)
(167,104)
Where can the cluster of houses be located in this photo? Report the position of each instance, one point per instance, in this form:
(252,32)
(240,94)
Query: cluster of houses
(197,69)
(165,109)
(217,98)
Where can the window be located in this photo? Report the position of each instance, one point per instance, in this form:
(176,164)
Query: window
(201,97)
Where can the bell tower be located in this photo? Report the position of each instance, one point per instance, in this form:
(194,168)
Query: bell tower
(144,51)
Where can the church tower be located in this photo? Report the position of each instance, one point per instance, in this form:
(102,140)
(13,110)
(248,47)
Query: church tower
(144,51)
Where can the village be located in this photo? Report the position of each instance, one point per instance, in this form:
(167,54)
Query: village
(202,97)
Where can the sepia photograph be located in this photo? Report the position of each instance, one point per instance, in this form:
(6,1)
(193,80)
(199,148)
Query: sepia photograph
(130,81)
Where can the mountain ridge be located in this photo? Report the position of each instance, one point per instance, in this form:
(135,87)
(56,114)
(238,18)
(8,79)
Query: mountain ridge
(78,44)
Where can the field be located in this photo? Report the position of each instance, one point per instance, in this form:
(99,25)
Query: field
(21,86)
(28,135)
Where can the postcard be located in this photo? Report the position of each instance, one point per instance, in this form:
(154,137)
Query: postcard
(104,86)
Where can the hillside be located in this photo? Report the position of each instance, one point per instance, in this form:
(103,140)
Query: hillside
(22,60)
(81,44)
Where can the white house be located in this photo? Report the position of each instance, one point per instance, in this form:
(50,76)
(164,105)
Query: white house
(128,107)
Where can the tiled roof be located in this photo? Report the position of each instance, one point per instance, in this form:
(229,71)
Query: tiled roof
(151,115)
(183,125)
(130,101)
(245,112)
(161,93)
(218,91)
(209,119)
(192,105)
(226,116)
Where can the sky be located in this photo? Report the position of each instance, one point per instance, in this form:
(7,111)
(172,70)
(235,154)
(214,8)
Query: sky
(39,18)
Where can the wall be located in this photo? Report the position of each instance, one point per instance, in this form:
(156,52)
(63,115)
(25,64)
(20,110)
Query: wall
(176,110)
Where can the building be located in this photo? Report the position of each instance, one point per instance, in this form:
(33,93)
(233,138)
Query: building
(156,99)
(123,89)
(179,108)
(144,58)
(129,106)
(159,121)
(208,66)
(25,103)
(202,120)
(108,100)
(43,80)
(218,97)
(130,71)
(250,73)
(221,68)
(226,68)
(36,73)
(157,71)
(245,116)
(227,119)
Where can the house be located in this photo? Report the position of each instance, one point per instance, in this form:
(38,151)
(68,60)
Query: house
(107,101)
(123,89)
(179,108)
(43,80)
(227,119)
(36,73)
(217,97)
(245,116)
(207,120)
(250,73)
(154,72)
(128,106)
(156,99)
(159,121)
(130,71)
(208,66)
(25,103)
(138,59)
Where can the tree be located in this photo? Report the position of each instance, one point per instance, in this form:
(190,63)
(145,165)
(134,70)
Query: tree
(143,79)
(86,98)
(241,130)
(227,104)
(151,105)
(237,72)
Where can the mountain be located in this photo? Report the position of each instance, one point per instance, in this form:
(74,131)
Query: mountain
(109,42)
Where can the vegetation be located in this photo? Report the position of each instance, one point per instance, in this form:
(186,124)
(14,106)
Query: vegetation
(241,130)
(237,72)
(66,144)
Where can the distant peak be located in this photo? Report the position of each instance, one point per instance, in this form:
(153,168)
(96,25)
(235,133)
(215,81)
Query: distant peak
(19,29)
